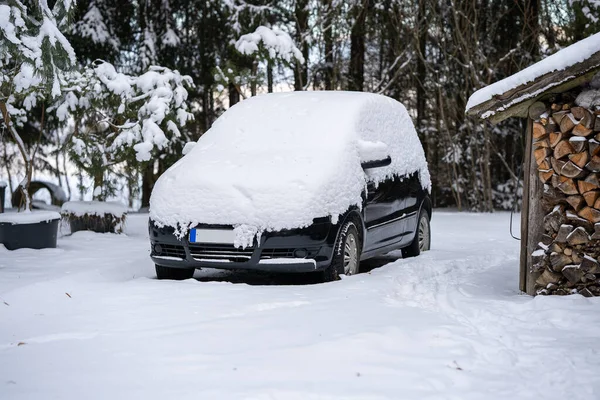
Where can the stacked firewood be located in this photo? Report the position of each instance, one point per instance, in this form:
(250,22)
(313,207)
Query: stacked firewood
(566,149)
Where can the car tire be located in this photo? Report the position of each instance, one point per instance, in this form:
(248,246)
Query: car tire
(346,254)
(422,240)
(175,274)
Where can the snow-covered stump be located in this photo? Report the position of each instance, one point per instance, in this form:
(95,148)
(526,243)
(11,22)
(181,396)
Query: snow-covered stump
(565,148)
(96,216)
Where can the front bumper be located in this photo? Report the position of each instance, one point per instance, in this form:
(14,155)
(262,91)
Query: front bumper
(276,252)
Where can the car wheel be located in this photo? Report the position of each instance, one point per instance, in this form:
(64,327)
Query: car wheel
(346,254)
(176,274)
(422,240)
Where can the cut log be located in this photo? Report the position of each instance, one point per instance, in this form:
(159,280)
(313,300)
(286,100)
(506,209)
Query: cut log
(580,130)
(566,107)
(536,110)
(596,126)
(571,170)
(539,131)
(576,201)
(589,265)
(594,164)
(588,184)
(577,112)
(573,273)
(545,165)
(568,251)
(594,147)
(546,175)
(556,107)
(579,144)
(542,143)
(576,220)
(580,159)
(557,166)
(558,116)
(568,187)
(540,154)
(590,214)
(596,235)
(559,260)
(555,138)
(562,149)
(548,277)
(597,204)
(555,248)
(564,231)
(588,119)
(578,236)
(591,197)
(550,126)
(554,220)
(593,179)
(568,123)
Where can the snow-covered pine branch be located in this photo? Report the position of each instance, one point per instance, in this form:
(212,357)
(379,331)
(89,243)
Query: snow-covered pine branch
(276,43)
(34,54)
(138,112)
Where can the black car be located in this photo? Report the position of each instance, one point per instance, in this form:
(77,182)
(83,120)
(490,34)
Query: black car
(320,181)
(395,215)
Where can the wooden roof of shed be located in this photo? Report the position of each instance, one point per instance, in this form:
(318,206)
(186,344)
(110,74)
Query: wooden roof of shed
(515,102)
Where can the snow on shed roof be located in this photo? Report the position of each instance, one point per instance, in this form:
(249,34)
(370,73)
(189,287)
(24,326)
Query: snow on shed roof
(520,87)
(277,161)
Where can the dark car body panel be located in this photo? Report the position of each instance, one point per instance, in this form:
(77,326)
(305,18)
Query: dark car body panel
(388,220)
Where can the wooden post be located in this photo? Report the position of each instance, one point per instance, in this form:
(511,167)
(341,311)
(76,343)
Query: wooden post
(525,207)
(532,215)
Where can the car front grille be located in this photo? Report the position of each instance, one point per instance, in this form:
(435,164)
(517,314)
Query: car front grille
(220,252)
(170,250)
(286,253)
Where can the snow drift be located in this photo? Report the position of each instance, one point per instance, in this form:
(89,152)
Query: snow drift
(277,161)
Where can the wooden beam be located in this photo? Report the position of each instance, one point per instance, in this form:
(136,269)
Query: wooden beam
(525,207)
(515,102)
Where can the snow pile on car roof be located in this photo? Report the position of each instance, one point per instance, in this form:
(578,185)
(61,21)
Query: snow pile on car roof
(277,161)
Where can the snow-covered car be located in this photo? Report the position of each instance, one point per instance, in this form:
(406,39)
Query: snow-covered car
(294,182)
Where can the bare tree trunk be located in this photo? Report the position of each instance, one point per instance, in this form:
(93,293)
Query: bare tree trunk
(24,185)
(301,70)
(147,184)
(7,166)
(356,70)
(421,68)
(253,81)
(67,183)
(270,76)
(234,95)
(328,39)
(98,195)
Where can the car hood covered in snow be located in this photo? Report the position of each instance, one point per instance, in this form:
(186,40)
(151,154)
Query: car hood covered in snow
(277,161)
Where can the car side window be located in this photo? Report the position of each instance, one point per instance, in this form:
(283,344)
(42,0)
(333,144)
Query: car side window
(381,192)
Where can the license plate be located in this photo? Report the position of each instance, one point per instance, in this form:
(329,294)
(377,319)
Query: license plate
(220,236)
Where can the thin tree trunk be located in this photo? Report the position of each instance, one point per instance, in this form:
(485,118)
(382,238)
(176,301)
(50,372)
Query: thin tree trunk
(356,71)
(234,95)
(301,70)
(269,76)
(147,184)
(328,39)
(24,184)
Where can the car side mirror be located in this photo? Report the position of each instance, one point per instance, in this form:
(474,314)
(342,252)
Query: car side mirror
(376,163)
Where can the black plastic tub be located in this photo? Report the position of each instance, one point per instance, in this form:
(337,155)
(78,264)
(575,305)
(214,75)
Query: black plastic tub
(39,235)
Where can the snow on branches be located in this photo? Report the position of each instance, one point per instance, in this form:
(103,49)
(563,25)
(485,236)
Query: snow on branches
(277,43)
(119,111)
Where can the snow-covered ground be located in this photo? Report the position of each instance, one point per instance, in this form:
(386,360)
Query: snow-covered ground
(89,321)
